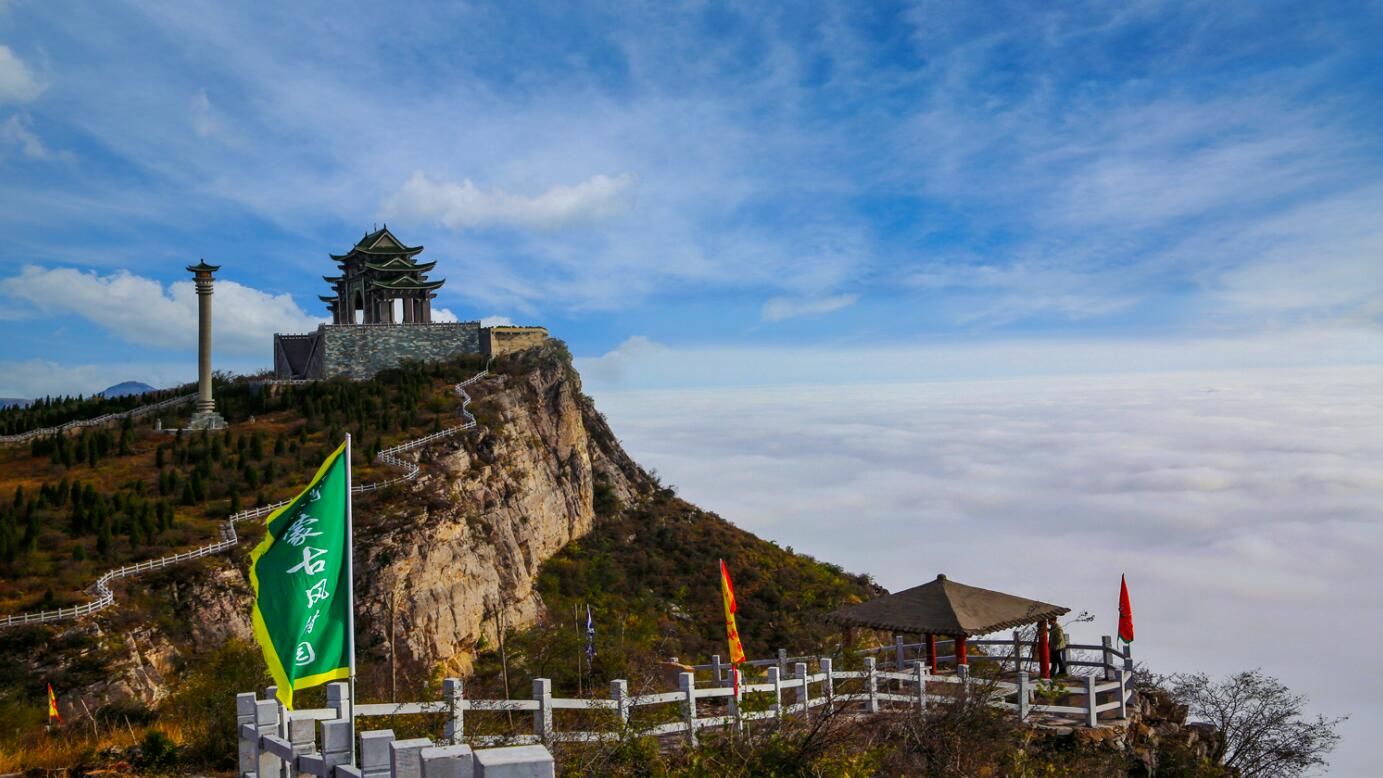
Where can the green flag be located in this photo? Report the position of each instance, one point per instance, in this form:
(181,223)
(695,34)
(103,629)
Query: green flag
(301,578)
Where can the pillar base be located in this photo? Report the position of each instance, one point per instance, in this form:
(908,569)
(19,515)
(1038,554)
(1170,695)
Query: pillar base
(206,420)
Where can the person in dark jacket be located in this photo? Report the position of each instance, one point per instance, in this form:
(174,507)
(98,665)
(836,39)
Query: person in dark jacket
(1058,649)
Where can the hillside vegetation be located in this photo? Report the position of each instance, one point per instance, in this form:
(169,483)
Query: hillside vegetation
(72,506)
(75,504)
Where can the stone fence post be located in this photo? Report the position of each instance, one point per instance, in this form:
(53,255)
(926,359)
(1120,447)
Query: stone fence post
(455,761)
(374,753)
(1023,691)
(777,681)
(248,746)
(542,717)
(804,699)
(921,669)
(872,677)
(406,757)
(825,664)
(1091,715)
(687,683)
(453,693)
(619,692)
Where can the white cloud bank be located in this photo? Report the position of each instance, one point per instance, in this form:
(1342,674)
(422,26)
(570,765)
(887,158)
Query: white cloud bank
(780,308)
(642,363)
(142,311)
(18,84)
(1243,505)
(465,205)
(17,132)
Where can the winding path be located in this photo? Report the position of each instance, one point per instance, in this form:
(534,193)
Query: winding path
(133,413)
(228,537)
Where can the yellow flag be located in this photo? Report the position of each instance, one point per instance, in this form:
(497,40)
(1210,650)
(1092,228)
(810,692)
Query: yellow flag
(727,592)
(53,705)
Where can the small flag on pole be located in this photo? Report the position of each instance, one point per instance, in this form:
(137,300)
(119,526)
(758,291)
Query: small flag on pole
(53,706)
(590,634)
(301,577)
(1125,612)
(727,592)
(732,633)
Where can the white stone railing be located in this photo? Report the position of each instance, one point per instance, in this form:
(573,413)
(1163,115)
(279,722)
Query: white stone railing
(133,413)
(228,536)
(795,693)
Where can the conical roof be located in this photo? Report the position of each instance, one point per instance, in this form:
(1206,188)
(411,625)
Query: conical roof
(945,607)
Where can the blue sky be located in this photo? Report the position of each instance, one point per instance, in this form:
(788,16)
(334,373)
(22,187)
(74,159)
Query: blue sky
(957,189)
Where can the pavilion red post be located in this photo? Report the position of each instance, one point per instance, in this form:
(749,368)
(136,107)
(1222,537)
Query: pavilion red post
(1044,647)
(931,653)
(961,657)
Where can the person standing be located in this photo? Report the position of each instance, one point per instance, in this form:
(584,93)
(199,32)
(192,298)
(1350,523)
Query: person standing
(1058,649)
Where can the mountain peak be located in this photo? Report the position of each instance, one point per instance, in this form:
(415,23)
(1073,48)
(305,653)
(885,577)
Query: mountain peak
(127,388)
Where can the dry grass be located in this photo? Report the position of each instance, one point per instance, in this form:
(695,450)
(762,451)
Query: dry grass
(82,745)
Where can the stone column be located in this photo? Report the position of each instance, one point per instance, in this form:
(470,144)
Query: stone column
(206,415)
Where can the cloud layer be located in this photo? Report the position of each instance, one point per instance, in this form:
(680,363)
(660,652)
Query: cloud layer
(465,205)
(1242,505)
(18,84)
(142,311)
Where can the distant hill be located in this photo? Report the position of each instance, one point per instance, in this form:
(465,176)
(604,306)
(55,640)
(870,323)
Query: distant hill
(127,388)
(10,402)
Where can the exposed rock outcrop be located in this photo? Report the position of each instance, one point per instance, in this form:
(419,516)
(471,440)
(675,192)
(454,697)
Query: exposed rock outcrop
(441,563)
(447,567)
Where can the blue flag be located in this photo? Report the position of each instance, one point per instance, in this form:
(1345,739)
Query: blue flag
(590,634)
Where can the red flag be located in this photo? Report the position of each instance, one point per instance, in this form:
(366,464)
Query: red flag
(732,633)
(1125,612)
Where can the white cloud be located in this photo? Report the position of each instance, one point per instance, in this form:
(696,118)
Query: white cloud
(17,131)
(18,84)
(496,321)
(444,315)
(40,378)
(465,205)
(645,364)
(1240,503)
(613,367)
(142,311)
(780,308)
(205,121)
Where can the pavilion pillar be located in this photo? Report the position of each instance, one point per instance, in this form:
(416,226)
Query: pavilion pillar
(962,658)
(931,654)
(1044,647)
(407,310)
(427,310)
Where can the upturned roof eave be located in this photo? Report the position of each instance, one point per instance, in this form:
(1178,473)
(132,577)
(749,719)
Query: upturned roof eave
(947,630)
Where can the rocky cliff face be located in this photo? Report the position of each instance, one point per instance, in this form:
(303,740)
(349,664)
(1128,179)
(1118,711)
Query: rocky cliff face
(449,566)
(441,563)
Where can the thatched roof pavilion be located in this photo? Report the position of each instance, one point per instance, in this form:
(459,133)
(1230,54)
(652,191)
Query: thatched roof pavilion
(956,610)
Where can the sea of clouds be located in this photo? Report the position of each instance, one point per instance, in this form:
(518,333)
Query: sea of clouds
(1245,507)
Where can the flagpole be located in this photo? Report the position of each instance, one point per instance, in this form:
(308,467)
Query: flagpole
(350,587)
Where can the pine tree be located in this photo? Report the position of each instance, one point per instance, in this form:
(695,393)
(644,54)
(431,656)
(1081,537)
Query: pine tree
(103,539)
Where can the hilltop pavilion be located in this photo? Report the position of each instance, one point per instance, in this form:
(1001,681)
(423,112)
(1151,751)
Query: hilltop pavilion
(374,273)
(950,609)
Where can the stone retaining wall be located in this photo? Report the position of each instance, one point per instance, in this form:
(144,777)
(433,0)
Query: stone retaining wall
(359,352)
(496,341)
